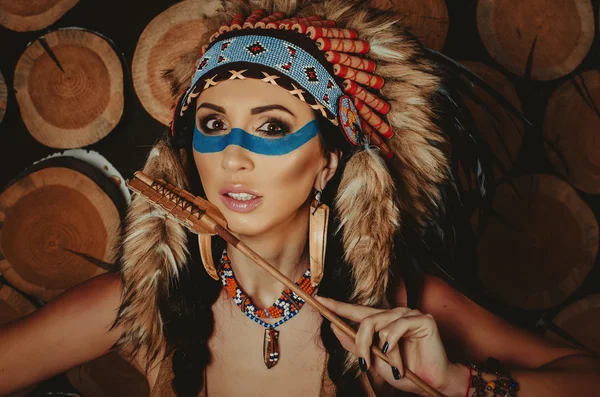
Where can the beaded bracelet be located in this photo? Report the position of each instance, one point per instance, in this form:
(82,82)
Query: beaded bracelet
(503,386)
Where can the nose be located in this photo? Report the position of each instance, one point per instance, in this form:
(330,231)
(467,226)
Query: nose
(236,158)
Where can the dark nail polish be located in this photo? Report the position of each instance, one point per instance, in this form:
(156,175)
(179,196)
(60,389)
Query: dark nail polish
(396,373)
(385,348)
(362,363)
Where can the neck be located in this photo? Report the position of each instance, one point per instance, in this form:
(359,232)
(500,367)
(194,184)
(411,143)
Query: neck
(285,247)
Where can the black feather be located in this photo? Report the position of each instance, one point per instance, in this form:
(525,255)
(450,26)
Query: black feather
(446,246)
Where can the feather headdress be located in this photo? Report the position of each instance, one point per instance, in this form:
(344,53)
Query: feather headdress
(402,172)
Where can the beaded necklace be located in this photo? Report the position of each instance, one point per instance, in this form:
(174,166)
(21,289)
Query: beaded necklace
(286,306)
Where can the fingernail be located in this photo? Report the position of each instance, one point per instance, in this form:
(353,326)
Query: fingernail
(385,348)
(396,373)
(362,363)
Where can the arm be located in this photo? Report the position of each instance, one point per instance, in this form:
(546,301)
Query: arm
(68,331)
(540,366)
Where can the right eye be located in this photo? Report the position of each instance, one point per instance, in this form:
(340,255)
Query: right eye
(212,124)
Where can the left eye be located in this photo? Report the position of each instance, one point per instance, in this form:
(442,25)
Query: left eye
(274,128)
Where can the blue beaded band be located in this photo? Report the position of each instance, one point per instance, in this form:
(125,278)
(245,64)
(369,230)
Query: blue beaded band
(274,325)
(281,55)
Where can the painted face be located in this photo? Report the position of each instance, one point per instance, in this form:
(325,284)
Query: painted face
(258,155)
(207,140)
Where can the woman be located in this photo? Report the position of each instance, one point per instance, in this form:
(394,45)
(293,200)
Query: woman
(263,129)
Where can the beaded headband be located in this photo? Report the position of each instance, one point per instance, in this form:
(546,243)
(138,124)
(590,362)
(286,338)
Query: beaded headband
(309,57)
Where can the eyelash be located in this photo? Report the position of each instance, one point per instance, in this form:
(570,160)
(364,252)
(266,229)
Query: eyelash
(284,128)
(204,121)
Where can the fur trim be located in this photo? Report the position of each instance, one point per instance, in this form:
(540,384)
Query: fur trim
(369,217)
(154,250)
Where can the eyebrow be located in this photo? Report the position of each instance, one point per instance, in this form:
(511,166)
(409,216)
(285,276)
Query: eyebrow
(212,106)
(266,108)
(253,111)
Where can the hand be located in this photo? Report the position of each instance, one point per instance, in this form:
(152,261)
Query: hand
(413,339)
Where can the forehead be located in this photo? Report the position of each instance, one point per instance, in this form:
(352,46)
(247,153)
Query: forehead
(248,93)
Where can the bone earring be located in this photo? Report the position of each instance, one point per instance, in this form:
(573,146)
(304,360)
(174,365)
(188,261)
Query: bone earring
(317,239)
(206,256)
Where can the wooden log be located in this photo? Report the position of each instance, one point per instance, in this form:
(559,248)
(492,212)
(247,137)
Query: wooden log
(571,126)
(172,34)
(70,93)
(540,247)
(102,164)
(502,130)
(426,19)
(13,306)
(581,320)
(3,97)
(558,34)
(23,16)
(59,226)
(108,376)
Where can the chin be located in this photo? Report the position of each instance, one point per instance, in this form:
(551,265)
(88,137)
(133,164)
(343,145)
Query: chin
(245,224)
(245,229)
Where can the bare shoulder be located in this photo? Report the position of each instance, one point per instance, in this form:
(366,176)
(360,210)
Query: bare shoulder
(106,286)
(471,332)
(97,300)
(73,328)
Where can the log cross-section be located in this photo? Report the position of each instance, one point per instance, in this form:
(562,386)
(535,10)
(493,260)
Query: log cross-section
(550,38)
(69,87)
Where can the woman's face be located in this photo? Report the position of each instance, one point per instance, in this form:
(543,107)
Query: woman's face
(258,155)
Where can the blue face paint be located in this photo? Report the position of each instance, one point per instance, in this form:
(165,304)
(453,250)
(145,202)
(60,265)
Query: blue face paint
(269,146)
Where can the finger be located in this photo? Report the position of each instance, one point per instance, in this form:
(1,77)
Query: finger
(414,312)
(393,353)
(348,310)
(404,313)
(364,340)
(371,324)
(406,327)
(394,314)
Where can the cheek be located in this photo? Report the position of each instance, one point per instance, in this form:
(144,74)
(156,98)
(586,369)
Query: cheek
(284,181)
(208,171)
(293,175)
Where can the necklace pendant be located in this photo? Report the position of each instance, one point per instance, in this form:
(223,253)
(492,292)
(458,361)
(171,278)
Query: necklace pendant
(271,347)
